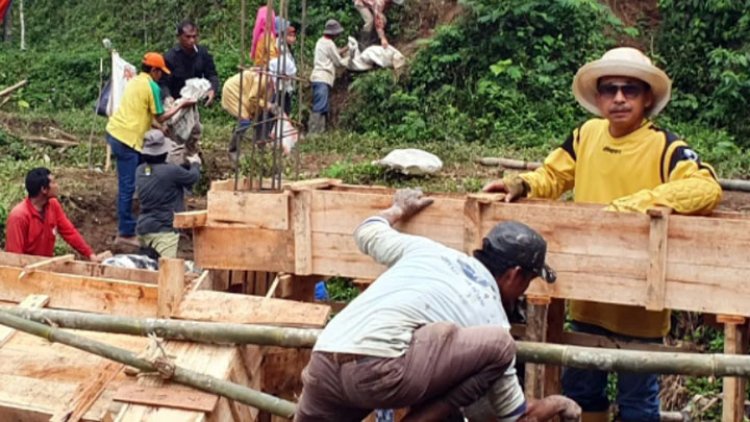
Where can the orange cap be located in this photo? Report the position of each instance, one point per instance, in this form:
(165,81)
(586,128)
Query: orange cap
(156,60)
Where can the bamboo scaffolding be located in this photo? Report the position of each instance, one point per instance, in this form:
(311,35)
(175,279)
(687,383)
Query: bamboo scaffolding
(695,364)
(242,394)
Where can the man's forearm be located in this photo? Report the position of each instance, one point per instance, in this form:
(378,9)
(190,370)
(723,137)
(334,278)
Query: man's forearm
(392,214)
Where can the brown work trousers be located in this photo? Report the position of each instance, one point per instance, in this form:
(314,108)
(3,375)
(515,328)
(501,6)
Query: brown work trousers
(443,363)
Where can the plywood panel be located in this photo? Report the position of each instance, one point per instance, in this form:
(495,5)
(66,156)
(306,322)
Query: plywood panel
(91,294)
(254,209)
(577,230)
(229,247)
(341,212)
(243,309)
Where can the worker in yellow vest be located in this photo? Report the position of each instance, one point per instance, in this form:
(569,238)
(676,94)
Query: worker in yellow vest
(625,161)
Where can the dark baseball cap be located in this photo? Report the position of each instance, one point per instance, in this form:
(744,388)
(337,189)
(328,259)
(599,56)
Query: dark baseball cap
(518,244)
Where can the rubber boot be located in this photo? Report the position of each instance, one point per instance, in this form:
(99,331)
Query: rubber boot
(317,123)
(595,417)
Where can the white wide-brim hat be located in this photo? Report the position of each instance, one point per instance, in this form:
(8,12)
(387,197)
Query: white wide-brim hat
(622,61)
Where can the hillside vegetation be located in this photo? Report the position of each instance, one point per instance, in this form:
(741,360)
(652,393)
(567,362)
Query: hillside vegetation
(500,74)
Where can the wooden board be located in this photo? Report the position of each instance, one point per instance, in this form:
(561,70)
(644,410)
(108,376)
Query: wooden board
(87,392)
(598,255)
(232,247)
(242,309)
(190,219)
(216,361)
(67,291)
(172,395)
(256,210)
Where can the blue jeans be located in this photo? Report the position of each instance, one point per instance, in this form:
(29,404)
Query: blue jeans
(320,92)
(127,161)
(637,394)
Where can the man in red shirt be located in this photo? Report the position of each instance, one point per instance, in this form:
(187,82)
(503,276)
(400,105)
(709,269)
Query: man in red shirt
(33,224)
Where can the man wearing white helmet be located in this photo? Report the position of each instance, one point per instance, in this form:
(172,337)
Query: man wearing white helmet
(625,161)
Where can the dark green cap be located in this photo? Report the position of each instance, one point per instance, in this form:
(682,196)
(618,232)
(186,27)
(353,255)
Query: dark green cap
(518,244)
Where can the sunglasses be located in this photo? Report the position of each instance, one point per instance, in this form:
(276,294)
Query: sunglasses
(629,91)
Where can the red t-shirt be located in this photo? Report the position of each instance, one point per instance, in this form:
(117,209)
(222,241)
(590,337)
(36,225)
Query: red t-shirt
(29,233)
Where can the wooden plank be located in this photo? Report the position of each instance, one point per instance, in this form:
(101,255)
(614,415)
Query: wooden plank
(656,283)
(253,209)
(67,291)
(251,249)
(91,269)
(341,212)
(322,183)
(536,330)
(171,395)
(555,325)
(577,230)
(733,406)
(31,399)
(190,219)
(87,393)
(41,264)
(32,301)
(171,286)
(239,374)
(243,309)
(211,360)
(472,225)
(203,282)
(302,209)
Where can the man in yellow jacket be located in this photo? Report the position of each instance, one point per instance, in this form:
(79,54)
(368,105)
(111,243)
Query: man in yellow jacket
(250,103)
(625,161)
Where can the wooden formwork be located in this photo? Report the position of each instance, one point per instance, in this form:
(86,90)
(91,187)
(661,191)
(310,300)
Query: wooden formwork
(45,381)
(658,261)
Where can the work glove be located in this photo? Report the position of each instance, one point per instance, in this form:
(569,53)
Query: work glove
(194,159)
(514,188)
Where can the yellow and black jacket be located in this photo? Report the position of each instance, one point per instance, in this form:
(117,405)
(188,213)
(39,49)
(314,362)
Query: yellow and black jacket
(646,168)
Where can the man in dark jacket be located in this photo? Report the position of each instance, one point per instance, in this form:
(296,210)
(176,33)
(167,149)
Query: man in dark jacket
(188,60)
(161,186)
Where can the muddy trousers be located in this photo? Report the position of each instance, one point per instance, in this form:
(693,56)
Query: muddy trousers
(444,363)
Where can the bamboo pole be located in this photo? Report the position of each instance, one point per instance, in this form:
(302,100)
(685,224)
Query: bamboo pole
(508,163)
(9,90)
(242,394)
(696,364)
(203,332)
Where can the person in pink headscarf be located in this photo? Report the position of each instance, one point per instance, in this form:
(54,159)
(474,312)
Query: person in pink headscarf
(264,46)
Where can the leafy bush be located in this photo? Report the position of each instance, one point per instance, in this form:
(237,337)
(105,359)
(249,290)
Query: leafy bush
(706,48)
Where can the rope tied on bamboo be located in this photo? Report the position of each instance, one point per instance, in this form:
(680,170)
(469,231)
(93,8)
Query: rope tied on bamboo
(157,356)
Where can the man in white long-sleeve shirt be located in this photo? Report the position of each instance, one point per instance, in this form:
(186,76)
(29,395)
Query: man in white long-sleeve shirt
(327,59)
(432,332)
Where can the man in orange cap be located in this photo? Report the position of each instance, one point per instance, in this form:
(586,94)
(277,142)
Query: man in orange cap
(624,161)
(140,104)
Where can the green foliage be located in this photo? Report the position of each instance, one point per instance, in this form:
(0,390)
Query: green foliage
(356,173)
(341,289)
(706,48)
(501,74)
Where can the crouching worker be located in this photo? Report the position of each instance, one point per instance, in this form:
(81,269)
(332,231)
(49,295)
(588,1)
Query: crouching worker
(33,224)
(432,332)
(161,187)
